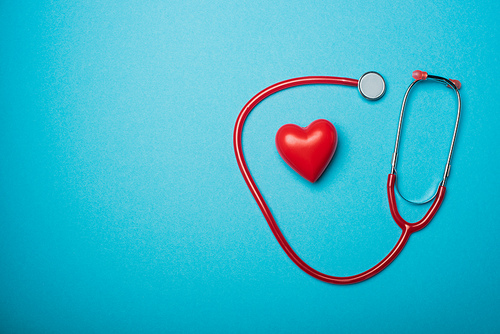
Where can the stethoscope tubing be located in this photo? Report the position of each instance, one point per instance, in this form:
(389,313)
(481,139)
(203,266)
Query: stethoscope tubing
(407,228)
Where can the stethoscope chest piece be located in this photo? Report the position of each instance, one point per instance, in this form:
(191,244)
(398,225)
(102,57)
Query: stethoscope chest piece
(371,85)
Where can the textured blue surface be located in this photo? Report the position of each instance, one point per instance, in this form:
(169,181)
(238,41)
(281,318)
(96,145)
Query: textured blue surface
(123,209)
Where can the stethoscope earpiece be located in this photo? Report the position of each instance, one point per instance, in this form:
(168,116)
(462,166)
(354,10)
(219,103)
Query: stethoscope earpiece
(371,85)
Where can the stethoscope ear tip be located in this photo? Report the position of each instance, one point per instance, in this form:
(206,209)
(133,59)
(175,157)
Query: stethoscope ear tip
(371,86)
(457,83)
(419,75)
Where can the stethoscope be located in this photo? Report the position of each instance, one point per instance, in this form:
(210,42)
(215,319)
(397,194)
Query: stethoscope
(372,87)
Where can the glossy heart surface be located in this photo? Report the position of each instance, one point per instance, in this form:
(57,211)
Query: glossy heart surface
(307,150)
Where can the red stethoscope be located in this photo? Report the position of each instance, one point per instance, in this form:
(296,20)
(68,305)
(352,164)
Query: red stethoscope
(371,86)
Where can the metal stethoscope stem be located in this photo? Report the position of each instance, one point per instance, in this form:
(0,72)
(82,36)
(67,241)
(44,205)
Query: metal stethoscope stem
(451,84)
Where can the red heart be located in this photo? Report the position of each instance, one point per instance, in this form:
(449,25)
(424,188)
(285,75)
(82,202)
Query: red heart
(307,150)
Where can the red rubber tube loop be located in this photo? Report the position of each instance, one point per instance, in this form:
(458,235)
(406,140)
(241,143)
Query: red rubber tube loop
(407,228)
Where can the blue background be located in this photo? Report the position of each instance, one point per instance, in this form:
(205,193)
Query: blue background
(123,209)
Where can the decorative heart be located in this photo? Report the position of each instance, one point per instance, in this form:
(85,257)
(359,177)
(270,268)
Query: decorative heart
(307,150)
